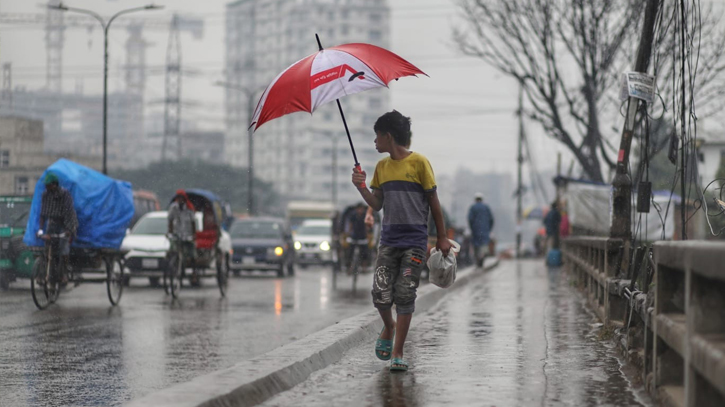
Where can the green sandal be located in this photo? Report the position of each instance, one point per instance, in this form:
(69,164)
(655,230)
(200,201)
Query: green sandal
(384,345)
(398,365)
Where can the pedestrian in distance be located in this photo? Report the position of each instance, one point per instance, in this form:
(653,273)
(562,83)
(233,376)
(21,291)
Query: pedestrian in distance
(552,223)
(404,186)
(480,220)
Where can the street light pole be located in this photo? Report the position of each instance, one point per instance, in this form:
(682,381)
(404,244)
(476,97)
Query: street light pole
(249,93)
(250,153)
(520,160)
(106,26)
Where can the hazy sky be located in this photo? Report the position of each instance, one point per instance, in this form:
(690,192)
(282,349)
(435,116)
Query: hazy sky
(463,114)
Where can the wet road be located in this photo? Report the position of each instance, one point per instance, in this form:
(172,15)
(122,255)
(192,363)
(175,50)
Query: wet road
(517,336)
(84,352)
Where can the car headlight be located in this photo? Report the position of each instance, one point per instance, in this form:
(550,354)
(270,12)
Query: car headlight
(278,251)
(298,246)
(325,246)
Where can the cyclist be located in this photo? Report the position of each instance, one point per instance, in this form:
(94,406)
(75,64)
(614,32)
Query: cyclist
(357,235)
(57,210)
(182,226)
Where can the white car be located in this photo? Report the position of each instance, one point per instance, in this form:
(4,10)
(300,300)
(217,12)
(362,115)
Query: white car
(147,245)
(313,242)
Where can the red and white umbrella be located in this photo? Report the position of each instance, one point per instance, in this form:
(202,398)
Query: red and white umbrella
(328,75)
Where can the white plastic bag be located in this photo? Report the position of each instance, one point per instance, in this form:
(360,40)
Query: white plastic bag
(442,270)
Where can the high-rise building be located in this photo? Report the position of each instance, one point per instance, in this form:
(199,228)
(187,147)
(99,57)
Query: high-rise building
(296,152)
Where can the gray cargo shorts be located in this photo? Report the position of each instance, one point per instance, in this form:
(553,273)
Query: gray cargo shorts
(396,279)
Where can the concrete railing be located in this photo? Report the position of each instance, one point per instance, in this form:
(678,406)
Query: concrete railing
(593,260)
(689,323)
(672,322)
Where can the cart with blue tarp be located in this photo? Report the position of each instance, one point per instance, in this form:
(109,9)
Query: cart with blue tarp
(104,208)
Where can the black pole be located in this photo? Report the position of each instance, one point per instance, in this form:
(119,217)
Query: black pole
(344,122)
(105,98)
(621,226)
(683,209)
(250,152)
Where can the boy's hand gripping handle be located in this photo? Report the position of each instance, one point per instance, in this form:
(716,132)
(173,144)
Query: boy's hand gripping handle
(359,169)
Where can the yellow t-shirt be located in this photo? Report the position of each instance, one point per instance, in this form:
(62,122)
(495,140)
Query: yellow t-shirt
(404,184)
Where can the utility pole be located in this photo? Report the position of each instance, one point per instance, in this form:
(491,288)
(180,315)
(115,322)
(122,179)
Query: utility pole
(622,184)
(519,188)
(250,93)
(7,90)
(172,99)
(250,153)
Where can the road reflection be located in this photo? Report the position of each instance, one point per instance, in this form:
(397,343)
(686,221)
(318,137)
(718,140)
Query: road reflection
(278,298)
(396,390)
(82,352)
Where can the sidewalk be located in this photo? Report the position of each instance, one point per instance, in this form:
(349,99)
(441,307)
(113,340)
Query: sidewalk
(517,336)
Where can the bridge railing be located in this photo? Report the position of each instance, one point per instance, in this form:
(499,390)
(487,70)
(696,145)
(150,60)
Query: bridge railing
(667,310)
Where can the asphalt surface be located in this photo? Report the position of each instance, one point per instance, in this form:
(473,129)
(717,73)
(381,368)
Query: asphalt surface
(516,336)
(84,352)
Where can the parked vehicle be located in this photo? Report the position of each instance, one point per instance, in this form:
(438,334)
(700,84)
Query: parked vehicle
(16,259)
(313,242)
(143,203)
(262,244)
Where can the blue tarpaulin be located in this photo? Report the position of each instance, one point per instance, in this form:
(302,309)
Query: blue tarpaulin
(104,206)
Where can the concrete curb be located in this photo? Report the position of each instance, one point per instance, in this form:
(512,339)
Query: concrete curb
(255,380)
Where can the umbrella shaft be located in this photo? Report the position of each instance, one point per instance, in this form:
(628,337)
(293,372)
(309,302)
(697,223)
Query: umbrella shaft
(344,122)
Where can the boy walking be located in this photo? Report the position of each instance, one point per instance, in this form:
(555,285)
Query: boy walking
(404,186)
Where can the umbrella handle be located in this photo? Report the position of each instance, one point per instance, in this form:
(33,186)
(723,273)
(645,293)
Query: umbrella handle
(359,169)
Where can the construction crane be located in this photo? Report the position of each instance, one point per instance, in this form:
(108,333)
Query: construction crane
(56,22)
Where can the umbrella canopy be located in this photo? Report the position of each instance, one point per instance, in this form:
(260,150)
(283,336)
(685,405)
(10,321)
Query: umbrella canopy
(535,212)
(328,75)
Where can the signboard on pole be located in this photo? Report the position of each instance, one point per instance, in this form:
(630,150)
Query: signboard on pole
(638,85)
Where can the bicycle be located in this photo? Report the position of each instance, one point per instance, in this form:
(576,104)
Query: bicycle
(174,270)
(47,273)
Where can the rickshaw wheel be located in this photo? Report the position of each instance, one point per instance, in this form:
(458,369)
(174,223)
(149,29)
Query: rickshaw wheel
(46,293)
(176,268)
(114,280)
(222,277)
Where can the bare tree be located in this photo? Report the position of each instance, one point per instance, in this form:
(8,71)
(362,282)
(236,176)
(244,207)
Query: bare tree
(569,55)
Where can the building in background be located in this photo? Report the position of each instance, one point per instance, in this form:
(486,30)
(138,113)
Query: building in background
(23,157)
(203,146)
(73,123)
(711,155)
(296,153)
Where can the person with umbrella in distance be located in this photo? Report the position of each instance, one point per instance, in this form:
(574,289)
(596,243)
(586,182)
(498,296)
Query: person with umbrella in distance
(404,186)
(480,220)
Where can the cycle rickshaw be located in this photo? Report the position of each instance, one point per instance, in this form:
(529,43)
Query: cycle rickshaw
(212,245)
(104,208)
(351,252)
